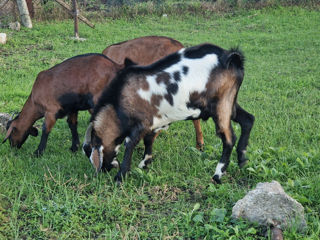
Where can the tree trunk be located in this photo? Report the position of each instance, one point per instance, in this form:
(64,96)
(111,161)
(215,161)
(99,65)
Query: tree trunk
(24,13)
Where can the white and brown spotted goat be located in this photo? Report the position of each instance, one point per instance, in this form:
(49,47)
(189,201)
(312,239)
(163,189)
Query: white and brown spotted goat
(195,83)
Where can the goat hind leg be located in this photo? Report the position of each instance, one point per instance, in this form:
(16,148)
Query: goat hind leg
(73,122)
(246,121)
(147,156)
(228,140)
(199,135)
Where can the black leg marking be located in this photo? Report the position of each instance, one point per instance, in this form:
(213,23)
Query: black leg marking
(225,157)
(72,122)
(126,163)
(48,124)
(147,156)
(246,121)
(43,141)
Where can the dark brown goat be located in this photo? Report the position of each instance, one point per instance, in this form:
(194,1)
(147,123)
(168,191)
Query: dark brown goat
(60,91)
(200,82)
(144,51)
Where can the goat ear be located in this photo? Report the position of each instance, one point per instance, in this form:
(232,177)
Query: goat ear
(235,60)
(128,62)
(8,134)
(33,131)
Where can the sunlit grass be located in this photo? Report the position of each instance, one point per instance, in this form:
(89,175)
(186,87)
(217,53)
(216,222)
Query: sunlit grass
(57,196)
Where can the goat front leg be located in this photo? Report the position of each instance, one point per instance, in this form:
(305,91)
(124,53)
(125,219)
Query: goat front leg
(87,145)
(228,140)
(199,135)
(147,156)
(73,122)
(48,124)
(132,141)
(246,121)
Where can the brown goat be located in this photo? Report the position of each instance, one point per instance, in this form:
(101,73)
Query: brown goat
(144,51)
(60,91)
(200,82)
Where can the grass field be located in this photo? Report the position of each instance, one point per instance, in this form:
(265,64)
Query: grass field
(57,196)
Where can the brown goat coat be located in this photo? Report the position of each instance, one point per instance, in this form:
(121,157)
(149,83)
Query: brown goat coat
(79,75)
(143,50)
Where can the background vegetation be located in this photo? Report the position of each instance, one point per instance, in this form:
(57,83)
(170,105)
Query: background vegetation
(57,196)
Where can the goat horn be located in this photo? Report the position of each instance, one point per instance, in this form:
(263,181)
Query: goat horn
(8,134)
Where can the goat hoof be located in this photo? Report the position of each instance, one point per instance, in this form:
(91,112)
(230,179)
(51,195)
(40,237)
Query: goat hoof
(144,164)
(243,163)
(38,153)
(118,178)
(200,146)
(216,179)
(118,183)
(74,147)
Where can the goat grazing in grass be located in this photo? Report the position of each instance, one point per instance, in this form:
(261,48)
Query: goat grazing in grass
(76,84)
(194,83)
(60,91)
(144,51)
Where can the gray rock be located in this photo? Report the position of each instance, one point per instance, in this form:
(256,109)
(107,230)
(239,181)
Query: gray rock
(4,118)
(269,205)
(15,26)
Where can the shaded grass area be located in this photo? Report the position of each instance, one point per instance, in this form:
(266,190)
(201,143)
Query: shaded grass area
(57,196)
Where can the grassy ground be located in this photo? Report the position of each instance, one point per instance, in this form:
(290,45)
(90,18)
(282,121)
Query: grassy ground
(57,196)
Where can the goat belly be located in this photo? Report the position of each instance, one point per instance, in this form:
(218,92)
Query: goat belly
(179,114)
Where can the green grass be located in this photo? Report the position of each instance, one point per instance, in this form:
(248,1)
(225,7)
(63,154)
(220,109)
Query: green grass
(57,196)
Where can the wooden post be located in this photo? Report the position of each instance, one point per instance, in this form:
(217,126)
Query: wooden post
(69,8)
(75,16)
(24,13)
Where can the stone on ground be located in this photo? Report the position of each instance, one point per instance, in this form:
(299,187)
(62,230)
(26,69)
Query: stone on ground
(269,205)
(4,118)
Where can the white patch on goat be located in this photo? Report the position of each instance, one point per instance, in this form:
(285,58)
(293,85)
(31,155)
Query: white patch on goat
(101,155)
(91,156)
(127,140)
(117,149)
(181,50)
(142,164)
(162,128)
(115,163)
(219,170)
(159,89)
(195,81)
